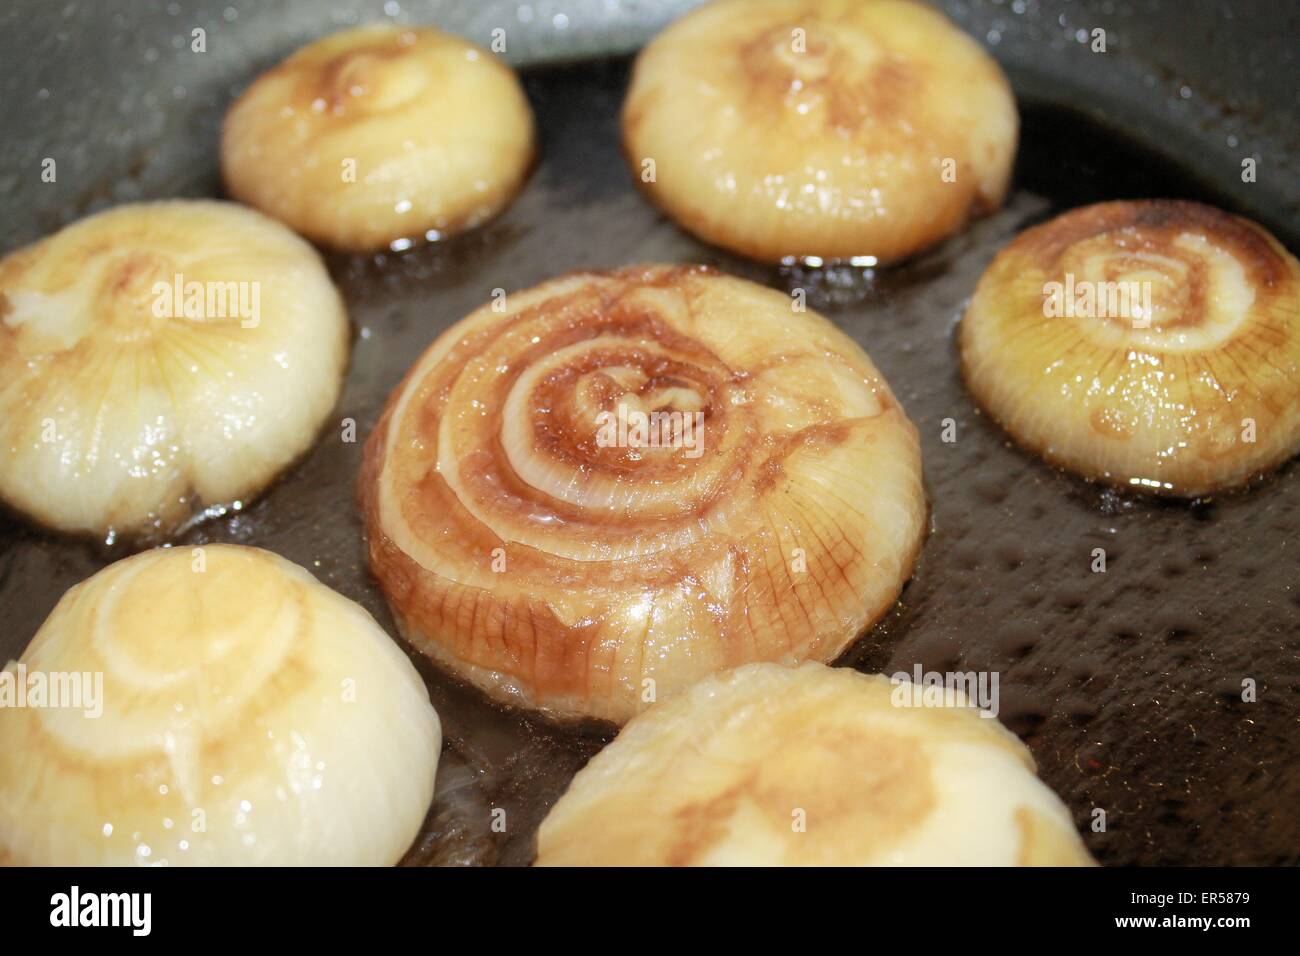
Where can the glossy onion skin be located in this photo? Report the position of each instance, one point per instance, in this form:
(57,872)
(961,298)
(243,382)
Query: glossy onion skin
(811,766)
(619,570)
(251,716)
(835,152)
(1162,409)
(438,128)
(113,419)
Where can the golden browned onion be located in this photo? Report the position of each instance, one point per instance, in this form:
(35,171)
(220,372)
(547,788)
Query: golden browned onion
(822,128)
(768,765)
(221,707)
(1192,391)
(378,136)
(160,356)
(581,578)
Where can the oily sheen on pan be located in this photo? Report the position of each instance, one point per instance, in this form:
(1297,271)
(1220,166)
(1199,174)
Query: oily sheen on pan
(529,542)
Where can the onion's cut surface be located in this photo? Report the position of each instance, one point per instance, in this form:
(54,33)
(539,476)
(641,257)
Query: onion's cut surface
(160,356)
(249,715)
(845,129)
(380,136)
(561,571)
(810,766)
(1153,345)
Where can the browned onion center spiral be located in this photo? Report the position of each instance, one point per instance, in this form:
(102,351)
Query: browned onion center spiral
(521,430)
(378,77)
(1191,272)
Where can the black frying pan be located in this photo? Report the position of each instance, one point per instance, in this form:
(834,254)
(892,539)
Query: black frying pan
(1126,686)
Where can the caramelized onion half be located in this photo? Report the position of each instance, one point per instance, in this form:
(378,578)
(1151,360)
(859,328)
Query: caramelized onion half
(809,766)
(221,707)
(846,129)
(1153,345)
(159,357)
(379,137)
(583,575)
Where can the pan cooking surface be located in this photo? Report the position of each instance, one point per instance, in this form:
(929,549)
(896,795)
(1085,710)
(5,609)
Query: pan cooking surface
(1126,685)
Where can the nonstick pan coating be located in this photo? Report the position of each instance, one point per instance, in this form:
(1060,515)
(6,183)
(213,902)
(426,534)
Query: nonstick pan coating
(1126,685)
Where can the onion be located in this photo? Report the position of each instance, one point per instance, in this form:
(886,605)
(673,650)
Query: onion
(380,136)
(835,129)
(232,711)
(160,357)
(1153,345)
(809,766)
(584,577)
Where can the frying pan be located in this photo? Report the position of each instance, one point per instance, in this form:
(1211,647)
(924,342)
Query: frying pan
(1126,686)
